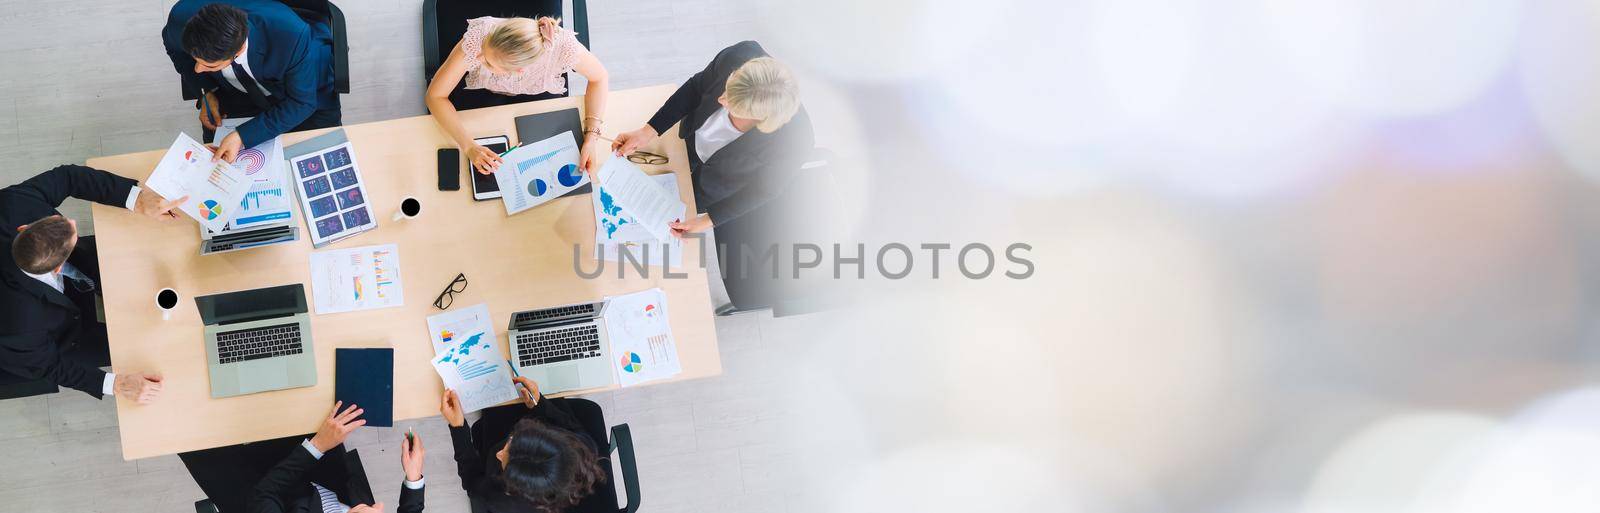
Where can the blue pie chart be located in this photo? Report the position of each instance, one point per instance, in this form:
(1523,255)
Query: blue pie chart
(569,175)
(537,187)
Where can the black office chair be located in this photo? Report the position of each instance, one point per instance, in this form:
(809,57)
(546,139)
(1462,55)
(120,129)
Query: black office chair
(443,24)
(604,499)
(799,215)
(228,474)
(323,11)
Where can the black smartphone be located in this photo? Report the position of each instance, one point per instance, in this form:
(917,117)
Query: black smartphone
(449,169)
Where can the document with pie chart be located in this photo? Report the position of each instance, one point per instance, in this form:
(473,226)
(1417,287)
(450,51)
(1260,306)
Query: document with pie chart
(535,173)
(215,189)
(642,349)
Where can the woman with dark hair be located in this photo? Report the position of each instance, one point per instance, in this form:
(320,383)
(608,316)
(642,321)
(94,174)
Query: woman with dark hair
(543,461)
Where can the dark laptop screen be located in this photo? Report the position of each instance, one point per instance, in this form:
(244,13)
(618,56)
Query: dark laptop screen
(251,305)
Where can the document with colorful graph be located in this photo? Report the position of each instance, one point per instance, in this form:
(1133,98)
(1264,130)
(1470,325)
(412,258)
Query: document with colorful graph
(641,197)
(475,367)
(214,188)
(535,173)
(268,201)
(642,349)
(364,278)
(450,328)
(333,196)
(616,232)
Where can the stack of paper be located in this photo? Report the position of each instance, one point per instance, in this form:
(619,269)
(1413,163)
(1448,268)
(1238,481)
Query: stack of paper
(468,358)
(215,189)
(642,348)
(616,232)
(535,173)
(642,198)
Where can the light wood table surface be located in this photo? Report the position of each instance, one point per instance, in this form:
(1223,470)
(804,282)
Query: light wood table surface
(512,263)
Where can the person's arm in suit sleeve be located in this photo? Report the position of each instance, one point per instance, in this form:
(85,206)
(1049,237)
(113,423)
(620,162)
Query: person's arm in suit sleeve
(277,490)
(411,497)
(769,182)
(304,72)
(686,98)
(469,464)
(86,183)
(32,355)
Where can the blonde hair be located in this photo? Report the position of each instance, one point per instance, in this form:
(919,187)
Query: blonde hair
(517,42)
(763,89)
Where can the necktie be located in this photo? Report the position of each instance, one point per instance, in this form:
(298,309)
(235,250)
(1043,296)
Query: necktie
(80,281)
(250,86)
(330,501)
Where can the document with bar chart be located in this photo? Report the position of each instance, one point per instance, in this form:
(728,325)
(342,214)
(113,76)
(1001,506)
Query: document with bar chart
(214,188)
(475,367)
(364,278)
(268,200)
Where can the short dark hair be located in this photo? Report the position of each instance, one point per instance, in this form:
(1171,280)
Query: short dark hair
(44,245)
(216,33)
(550,467)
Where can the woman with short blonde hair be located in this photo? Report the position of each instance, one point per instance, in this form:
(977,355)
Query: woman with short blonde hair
(745,129)
(512,57)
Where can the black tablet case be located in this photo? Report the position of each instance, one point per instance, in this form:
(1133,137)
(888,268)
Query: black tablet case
(365,377)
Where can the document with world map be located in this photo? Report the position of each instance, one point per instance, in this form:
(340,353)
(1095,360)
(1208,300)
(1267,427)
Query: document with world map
(468,358)
(616,232)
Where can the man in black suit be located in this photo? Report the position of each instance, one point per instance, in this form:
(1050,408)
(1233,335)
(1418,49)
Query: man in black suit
(318,477)
(48,328)
(745,129)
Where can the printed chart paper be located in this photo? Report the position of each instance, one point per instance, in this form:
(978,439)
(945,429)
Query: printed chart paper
(538,172)
(641,198)
(332,194)
(214,188)
(642,348)
(616,232)
(268,199)
(476,369)
(466,324)
(364,278)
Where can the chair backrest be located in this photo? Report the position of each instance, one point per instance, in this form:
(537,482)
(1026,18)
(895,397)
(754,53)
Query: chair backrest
(324,11)
(443,23)
(604,498)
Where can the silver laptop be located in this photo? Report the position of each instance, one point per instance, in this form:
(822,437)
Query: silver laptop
(562,348)
(258,340)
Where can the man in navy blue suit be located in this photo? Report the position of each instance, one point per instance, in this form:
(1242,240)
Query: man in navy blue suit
(253,58)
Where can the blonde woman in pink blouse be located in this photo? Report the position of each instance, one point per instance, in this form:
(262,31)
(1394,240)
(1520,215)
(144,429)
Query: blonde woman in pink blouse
(518,56)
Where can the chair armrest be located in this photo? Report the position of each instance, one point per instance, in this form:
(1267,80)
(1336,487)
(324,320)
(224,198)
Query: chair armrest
(622,445)
(431,60)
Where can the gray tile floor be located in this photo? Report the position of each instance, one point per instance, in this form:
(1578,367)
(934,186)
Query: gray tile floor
(706,445)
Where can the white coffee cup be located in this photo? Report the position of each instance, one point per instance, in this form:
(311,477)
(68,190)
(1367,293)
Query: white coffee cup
(166,300)
(409,208)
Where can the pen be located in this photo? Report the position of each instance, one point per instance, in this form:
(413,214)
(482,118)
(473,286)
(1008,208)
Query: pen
(508,150)
(205,106)
(517,374)
(411,435)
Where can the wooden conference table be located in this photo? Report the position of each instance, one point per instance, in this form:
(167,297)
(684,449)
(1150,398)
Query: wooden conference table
(512,263)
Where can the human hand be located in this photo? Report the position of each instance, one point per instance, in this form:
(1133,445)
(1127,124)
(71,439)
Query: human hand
(529,391)
(214,119)
(363,508)
(483,159)
(450,408)
(629,142)
(228,149)
(411,453)
(590,155)
(138,387)
(698,224)
(337,427)
(152,205)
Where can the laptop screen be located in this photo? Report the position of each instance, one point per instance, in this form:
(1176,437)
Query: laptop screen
(251,305)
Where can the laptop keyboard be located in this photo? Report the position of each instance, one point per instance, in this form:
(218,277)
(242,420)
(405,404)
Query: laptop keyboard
(558,345)
(257,343)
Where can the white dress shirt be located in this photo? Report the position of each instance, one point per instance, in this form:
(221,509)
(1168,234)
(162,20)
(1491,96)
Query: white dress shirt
(56,281)
(324,493)
(233,78)
(716,133)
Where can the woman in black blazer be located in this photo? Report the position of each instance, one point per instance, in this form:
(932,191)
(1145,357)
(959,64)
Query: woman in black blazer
(745,128)
(539,460)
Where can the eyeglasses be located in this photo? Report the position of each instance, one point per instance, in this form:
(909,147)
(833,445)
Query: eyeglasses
(645,157)
(449,295)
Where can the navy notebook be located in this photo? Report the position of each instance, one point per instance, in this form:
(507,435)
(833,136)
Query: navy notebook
(365,378)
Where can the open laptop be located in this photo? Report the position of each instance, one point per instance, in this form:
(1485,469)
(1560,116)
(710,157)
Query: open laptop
(562,348)
(258,340)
